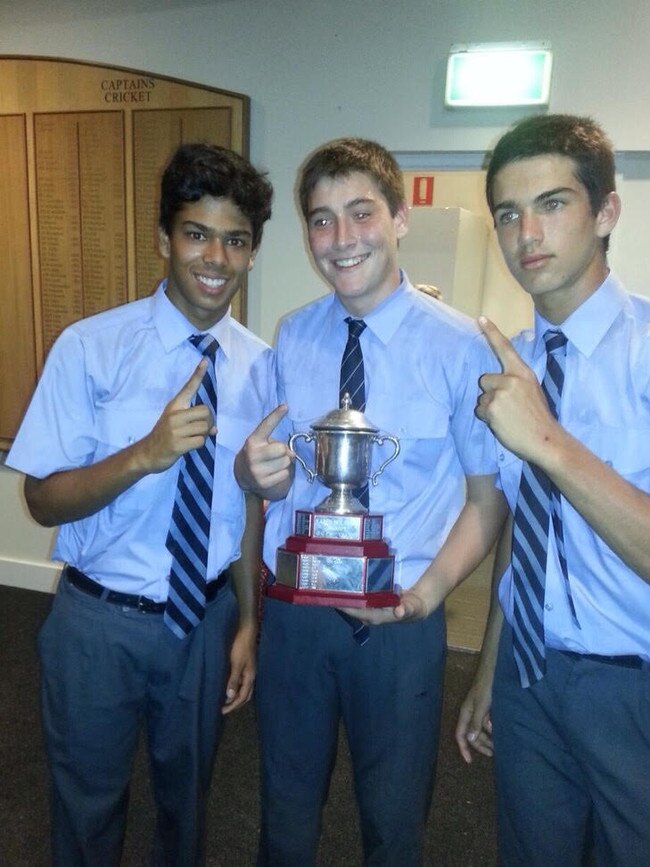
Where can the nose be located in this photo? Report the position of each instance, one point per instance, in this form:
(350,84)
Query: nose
(214,252)
(530,228)
(344,235)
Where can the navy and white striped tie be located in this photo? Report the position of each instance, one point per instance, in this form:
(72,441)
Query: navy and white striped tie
(189,531)
(352,372)
(353,382)
(538,499)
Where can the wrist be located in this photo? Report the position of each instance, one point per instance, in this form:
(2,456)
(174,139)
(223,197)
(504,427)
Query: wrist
(139,460)
(246,637)
(552,453)
(242,474)
(248,626)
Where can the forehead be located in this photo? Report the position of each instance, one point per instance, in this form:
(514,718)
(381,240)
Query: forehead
(526,179)
(220,212)
(344,190)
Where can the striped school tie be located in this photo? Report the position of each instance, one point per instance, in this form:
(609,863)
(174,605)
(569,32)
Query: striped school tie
(352,382)
(189,532)
(537,500)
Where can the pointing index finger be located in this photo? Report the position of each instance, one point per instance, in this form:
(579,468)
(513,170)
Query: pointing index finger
(500,345)
(187,392)
(266,427)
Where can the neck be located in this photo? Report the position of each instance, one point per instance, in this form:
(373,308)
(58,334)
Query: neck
(557,306)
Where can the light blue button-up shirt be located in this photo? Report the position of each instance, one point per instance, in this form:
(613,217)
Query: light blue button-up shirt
(422,361)
(606,406)
(106,382)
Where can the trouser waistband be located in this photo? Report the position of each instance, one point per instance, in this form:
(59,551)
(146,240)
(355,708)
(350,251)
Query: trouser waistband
(626,661)
(148,606)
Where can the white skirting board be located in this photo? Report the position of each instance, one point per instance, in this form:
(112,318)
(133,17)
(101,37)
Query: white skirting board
(30,576)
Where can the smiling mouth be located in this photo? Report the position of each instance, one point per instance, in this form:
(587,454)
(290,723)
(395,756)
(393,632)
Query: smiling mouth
(352,262)
(210,282)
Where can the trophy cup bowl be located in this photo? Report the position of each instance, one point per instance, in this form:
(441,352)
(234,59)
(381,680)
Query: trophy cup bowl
(344,440)
(337,555)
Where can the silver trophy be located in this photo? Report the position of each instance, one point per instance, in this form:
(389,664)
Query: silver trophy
(337,555)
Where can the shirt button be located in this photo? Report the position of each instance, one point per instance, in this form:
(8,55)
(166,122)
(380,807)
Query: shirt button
(548,606)
(502,457)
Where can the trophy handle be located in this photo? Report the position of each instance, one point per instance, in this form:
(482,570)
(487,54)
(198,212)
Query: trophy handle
(380,439)
(308,438)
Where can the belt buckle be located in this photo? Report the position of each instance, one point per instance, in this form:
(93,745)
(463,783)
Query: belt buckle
(142,604)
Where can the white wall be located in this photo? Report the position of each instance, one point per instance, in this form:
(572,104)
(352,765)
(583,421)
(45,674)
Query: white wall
(319,70)
(24,546)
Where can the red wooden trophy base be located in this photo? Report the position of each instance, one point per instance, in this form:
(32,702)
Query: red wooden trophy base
(340,600)
(335,560)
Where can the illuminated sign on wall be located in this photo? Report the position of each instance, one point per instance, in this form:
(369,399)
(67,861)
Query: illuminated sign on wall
(485,74)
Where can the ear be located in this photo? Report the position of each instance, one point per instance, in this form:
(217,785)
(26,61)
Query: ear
(251,260)
(163,243)
(401,221)
(607,216)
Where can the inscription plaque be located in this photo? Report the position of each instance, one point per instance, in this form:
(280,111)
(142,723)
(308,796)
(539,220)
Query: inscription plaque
(82,149)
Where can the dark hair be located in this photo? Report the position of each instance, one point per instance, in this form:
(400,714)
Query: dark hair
(196,170)
(343,156)
(579,138)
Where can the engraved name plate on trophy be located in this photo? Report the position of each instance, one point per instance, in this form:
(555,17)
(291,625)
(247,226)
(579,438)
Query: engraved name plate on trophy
(337,554)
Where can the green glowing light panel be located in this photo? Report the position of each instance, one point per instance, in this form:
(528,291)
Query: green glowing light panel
(498,75)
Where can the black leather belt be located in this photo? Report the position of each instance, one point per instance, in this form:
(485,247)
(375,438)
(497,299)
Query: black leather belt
(130,600)
(630,661)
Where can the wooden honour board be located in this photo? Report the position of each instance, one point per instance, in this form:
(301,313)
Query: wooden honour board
(82,148)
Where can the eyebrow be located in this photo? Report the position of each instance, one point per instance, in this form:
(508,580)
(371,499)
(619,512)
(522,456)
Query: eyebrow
(362,200)
(353,203)
(542,197)
(208,230)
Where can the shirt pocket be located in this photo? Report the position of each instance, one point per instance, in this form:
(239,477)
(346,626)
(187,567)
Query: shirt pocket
(421,432)
(119,425)
(423,438)
(228,499)
(232,430)
(625,450)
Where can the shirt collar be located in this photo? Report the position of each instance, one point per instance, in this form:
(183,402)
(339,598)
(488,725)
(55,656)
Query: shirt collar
(173,328)
(385,319)
(589,323)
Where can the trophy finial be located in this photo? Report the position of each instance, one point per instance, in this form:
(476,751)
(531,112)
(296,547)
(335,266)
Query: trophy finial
(346,402)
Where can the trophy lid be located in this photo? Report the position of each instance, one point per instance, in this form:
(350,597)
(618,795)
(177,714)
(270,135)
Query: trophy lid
(345,419)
